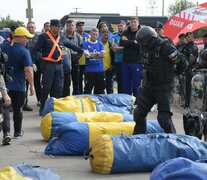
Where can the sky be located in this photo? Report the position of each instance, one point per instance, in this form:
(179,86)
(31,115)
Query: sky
(44,10)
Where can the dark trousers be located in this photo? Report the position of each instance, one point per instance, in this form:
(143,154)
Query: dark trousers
(67,83)
(81,78)
(37,84)
(75,78)
(95,80)
(52,81)
(118,73)
(146,99)
(109,81)
(18,100)
(188,78)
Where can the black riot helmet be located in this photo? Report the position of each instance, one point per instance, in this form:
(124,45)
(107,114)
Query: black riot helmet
(146,35)
(203,59)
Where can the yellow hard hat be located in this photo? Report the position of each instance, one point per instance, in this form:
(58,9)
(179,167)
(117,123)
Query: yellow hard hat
(22,31)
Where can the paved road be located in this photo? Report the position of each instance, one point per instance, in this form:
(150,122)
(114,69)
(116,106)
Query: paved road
(30,149)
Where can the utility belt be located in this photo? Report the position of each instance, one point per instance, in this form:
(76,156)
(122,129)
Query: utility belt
(52,62)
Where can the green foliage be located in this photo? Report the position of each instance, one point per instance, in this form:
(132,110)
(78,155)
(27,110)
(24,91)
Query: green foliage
(178,6)
(200,32)
(6,22)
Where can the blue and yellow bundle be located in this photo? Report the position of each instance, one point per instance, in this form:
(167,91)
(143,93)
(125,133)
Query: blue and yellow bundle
(141,153)
(27,172)
(76,137)
(119,103)
(180,168)
(54,120)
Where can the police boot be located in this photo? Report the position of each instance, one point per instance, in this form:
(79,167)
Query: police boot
(140,119)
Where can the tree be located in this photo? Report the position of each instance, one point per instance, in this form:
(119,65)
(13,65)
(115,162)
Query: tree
(178,6)
(6,22)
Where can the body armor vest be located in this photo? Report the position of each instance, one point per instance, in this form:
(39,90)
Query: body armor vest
(158,70)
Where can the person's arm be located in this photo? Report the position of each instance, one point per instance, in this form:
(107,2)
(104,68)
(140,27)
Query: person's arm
(29,76)
(5,96)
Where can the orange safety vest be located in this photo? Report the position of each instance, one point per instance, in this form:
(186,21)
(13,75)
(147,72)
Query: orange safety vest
(55,44)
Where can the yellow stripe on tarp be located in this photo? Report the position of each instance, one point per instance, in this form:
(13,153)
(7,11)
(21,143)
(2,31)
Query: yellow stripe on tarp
(99,117)
(102,155)
(9,173)
(74,104)
(112,128)
(46,126)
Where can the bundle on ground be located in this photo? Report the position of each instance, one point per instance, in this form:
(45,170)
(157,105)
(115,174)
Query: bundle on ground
(140,153)
(180,168)
(27,172)
(76,137)
(54,120)
(120,103)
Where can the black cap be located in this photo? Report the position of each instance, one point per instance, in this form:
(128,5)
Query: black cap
(205,35)
(181,36)
(79,23)
(159,25)
(55,22)
(188,33)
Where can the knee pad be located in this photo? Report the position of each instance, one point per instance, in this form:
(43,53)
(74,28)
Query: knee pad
(139,117)
(165,122)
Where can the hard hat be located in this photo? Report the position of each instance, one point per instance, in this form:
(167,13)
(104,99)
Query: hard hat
(146,35)
(22,31)
(203,59)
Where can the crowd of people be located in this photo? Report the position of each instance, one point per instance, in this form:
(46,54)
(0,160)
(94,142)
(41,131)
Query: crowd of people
(48,63)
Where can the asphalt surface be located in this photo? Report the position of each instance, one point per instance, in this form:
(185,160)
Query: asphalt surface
(30,149)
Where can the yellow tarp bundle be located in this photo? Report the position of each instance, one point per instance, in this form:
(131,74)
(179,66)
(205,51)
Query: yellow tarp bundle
(9,173)
(52,121)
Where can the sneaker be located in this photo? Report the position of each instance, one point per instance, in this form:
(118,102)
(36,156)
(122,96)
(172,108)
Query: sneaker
(6,140)
(26,107)
(38,103)
(18,135)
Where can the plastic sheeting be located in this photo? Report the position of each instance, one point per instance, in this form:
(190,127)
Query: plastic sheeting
(27,172)
(74,138)
(180,168)
(140,153)
(52,121)
(120,103)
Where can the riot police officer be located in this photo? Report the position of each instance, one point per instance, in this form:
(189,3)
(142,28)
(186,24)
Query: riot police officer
(161,63)
(191,52)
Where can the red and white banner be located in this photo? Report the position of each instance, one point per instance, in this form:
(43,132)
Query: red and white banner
(187,20)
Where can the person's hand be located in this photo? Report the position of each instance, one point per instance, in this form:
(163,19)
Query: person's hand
(86,53)
(32,90)
(124,38)
(7,100)
(34,67)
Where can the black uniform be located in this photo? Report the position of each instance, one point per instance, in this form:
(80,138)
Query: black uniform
(191,52)
(158,82)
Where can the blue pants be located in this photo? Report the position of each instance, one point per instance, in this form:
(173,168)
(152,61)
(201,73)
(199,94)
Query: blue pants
(131,75)
(52,81)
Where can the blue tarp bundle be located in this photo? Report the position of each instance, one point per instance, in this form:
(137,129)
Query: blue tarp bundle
(120,103)
(180,168)
(27,172)
(74,138)
(139,153)
(54,120)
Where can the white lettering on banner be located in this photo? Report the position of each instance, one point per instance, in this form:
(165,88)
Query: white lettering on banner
(190,26)
(176,23)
